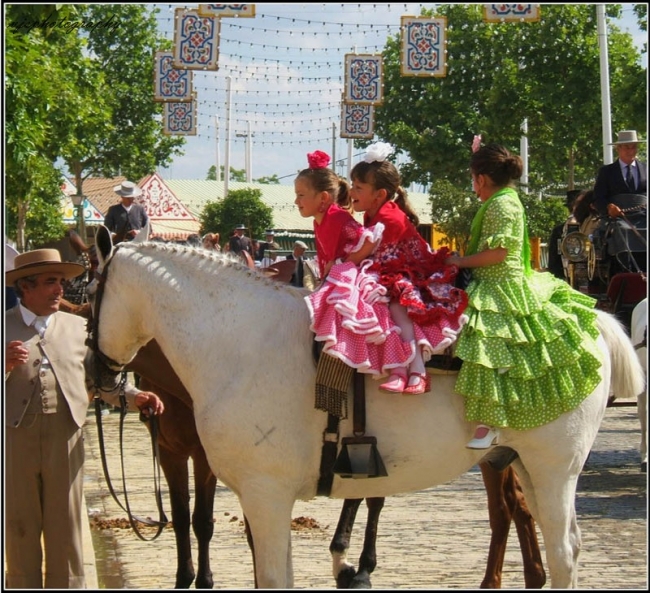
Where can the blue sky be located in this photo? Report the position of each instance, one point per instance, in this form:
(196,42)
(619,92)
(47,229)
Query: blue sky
(286,68)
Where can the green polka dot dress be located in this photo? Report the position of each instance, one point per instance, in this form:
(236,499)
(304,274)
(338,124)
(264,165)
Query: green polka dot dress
(529,349)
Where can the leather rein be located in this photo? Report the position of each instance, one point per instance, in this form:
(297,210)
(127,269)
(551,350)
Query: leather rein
(112,366)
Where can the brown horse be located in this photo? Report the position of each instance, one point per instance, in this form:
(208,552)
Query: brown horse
(179,441)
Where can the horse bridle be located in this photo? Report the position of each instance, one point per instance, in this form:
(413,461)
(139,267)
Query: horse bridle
(93,322)
(116,368)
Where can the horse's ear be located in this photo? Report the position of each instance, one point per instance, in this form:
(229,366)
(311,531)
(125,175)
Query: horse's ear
(104,243)
(143,234)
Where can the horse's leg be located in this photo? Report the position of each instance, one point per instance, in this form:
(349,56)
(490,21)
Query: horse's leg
(343,571)
(368,558)
(268,513)
(500,512)
(553,505)
(205,484)
(249,539)
(642,410)
(174,467)
(534,574)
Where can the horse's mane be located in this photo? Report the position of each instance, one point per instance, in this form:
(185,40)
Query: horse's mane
(156,249)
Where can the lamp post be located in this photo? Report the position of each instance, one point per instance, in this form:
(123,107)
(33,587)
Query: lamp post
(78,201)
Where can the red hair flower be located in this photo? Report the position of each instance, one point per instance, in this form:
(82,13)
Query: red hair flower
(318,159)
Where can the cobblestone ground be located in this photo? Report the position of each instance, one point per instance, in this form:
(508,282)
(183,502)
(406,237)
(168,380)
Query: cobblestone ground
(433,539)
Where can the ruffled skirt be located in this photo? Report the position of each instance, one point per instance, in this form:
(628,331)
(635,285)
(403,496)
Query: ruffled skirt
(350,314)
(529,351)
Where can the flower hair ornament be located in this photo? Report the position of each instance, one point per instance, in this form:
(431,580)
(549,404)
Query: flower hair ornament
(379,151)
(476,143)
(318,159)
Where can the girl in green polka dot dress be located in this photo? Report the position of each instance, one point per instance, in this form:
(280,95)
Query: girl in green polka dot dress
(529,351)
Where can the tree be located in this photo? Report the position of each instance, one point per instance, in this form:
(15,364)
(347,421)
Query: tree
(240,175)
(35,81)
(243,206)
(81,95)
(500,74)
(453,210)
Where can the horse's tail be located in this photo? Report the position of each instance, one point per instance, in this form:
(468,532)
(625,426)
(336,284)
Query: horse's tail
(628,379)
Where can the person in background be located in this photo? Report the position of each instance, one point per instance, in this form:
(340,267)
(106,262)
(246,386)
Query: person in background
(529,349)
(194,240)
(349,311)
(423,300)
(297,278)
(210,242)
(240,242)
(626,175)
(11,300)
(46,403)
(267,245)
(126,219)
(556,264)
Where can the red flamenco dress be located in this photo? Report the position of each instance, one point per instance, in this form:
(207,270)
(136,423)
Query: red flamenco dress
(349,311)
(417,278)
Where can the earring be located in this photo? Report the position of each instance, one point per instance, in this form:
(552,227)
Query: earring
(321,208)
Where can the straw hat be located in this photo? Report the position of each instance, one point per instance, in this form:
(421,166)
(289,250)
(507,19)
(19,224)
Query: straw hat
(626,137)
(42,261)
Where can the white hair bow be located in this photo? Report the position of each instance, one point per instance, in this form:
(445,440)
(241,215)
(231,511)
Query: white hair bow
(379,151)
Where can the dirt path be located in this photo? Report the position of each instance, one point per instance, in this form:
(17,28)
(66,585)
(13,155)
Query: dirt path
(433,539)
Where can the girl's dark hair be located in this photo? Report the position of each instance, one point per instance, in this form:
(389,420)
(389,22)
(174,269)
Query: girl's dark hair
(582,206)
(325,179)
(497,163)
(384,175)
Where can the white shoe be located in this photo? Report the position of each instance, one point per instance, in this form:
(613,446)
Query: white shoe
(491,438)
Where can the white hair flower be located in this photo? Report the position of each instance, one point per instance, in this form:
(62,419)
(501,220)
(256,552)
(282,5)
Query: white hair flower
(379,151)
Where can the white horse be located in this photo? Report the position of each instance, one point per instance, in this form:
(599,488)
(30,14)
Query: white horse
(639,330)
(261,432)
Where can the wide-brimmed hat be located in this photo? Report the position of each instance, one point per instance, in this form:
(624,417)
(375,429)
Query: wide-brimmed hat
(240,227)
(269,232)
(127,189)
(627,137)
(301,244)
(42,261)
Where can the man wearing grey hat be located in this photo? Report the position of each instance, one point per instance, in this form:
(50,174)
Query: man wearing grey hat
(46,400)
(626,175)
(297,278)
(268,245)
(126,219)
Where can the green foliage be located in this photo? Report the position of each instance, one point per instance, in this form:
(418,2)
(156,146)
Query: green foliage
(269,180)
(453,210)
(239,175)
(543,214)
(500,74)
(243,206)
(79,94)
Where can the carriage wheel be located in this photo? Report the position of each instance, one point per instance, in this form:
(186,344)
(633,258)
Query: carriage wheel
(591,263)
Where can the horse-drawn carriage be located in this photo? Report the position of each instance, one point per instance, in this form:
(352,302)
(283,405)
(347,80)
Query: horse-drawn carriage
(606,257)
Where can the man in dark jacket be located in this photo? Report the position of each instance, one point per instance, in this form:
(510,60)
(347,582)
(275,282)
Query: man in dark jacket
(125,220)
(626,175)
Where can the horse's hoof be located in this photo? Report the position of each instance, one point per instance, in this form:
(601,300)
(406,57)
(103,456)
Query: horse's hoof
(345,577)
(362,582)
(644,467)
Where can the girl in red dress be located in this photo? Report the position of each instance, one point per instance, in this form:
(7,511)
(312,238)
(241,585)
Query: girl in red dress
(349,311)
(423,300)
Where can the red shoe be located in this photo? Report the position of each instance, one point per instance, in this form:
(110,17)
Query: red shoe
(395,384)
(422,386)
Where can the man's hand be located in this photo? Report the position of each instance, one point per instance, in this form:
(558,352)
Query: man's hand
(17,353)
(614,211)
(147,401)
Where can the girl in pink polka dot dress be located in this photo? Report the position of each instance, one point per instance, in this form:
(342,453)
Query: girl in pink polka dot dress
(349,311)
